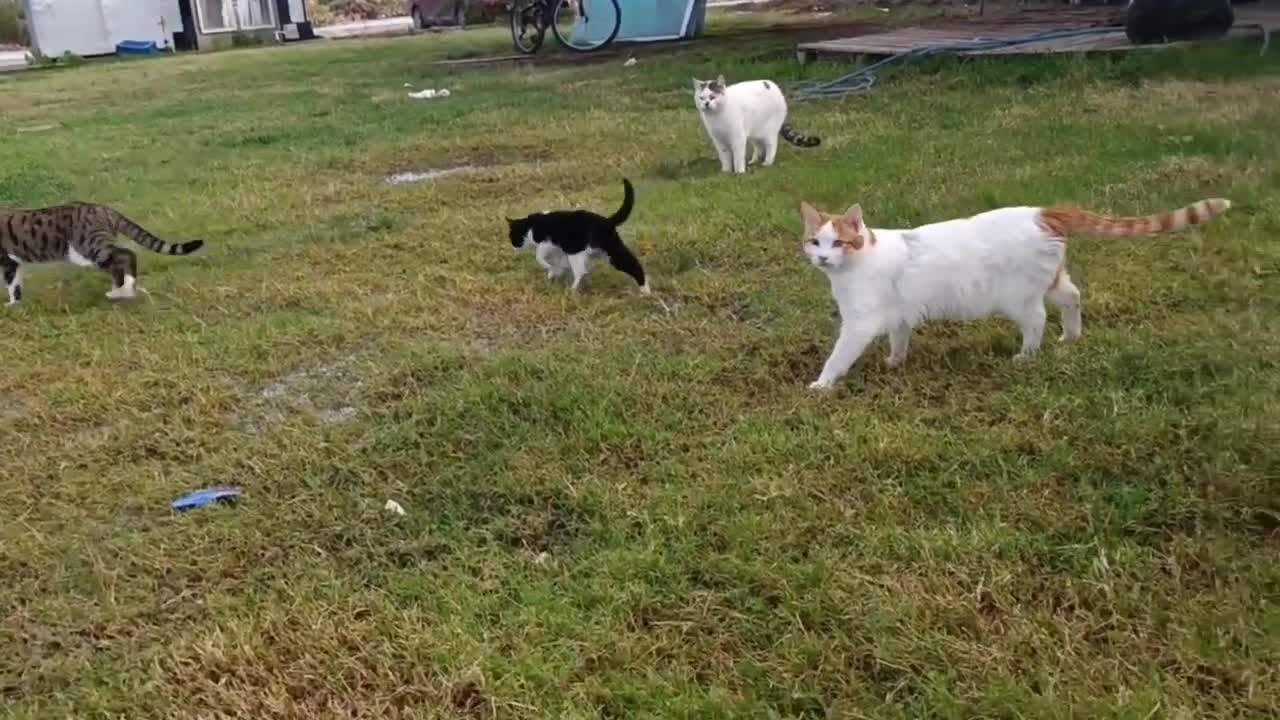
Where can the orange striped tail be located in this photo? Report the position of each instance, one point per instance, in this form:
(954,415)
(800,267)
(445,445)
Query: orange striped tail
(1067,221)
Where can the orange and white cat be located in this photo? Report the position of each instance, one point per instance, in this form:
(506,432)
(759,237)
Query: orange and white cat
(1005,262)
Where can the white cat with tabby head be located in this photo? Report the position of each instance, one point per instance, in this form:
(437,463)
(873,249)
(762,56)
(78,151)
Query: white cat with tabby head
(1004,262)
(752,113)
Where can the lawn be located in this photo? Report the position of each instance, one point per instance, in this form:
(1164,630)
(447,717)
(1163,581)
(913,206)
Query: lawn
(621,506)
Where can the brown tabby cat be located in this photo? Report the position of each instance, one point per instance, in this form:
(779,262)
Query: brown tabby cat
(79,233)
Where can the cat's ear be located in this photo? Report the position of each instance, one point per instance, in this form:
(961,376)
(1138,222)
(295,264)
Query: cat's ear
(853,216)
(720,81)
(697,84)
(812,218)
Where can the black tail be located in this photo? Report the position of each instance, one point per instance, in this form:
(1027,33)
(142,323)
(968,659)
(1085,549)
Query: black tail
(139,234)
(789,134)
(628,201)
(625,261)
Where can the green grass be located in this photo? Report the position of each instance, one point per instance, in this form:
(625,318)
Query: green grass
(620,507)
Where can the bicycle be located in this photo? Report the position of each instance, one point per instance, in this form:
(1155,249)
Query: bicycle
(579,25)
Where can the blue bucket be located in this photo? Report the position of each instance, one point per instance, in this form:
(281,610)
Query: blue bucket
(137,47)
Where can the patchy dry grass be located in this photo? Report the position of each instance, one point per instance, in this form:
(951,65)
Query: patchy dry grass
(1209,102)
(621,506)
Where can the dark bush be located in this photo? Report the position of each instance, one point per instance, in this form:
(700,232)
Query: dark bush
(13,26)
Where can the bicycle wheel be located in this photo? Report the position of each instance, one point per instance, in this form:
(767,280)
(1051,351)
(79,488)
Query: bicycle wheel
(586,25)
(528,27)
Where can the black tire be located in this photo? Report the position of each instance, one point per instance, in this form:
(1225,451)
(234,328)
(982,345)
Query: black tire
(527,26)
(601,13)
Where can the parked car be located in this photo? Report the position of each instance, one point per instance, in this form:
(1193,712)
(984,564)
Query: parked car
(434,13)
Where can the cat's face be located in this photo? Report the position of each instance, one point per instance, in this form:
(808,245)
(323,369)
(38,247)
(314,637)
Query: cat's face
(520,233)
(708,95)
(833,242)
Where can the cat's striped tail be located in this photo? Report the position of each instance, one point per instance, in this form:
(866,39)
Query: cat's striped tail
(1067,221)
(789,134)
(140,235)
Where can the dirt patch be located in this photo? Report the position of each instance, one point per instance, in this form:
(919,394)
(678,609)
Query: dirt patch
(679,169)
(9,411)
(429,175)
(1201,173)
(475,161)
(1231,103)
(469,700)
(328,393)
(487,337)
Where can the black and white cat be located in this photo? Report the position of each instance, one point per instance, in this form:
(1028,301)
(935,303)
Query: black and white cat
(570,239)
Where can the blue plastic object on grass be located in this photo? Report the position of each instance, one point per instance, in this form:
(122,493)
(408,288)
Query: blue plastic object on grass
(136,47)
(208,496)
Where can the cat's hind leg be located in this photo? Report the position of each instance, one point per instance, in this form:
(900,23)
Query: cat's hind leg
(580,264)
(11,272)
(123,266)
(1030,319)
(756,154)
(621,258)
(770,149)
(899,339)
(1066,296)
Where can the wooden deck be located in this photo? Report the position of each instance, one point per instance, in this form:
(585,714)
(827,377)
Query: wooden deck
(906,39)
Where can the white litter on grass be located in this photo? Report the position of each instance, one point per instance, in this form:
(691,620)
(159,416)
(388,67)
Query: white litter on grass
(630,62)
(430,93)
(408,84)
(393,506)
(404,178)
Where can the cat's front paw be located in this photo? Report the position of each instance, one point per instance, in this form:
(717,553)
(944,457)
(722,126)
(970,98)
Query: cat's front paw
(822,385)
(894,362)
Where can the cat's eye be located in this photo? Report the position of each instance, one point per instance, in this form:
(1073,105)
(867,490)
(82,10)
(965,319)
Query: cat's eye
(813,242)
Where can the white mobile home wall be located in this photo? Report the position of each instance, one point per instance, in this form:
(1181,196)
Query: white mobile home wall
(93,27)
